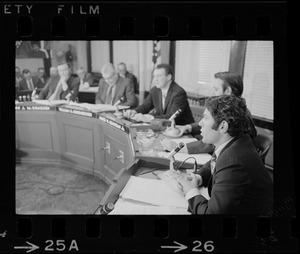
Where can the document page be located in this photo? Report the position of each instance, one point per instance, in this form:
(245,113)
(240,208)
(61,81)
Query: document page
(152,191)
(125,206)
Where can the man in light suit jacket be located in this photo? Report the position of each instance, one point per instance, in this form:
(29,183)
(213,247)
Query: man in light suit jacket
(166,97)
(112,87)
(236,178)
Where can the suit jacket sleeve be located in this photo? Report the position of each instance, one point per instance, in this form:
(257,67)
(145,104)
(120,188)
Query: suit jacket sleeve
(147,105)
(73,85)
(199,147)
(131,99)
(230,182)
(100,90)
(45,91)
(90,79)
(23,85)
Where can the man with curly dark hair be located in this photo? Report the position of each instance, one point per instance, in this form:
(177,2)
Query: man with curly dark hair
(236,178)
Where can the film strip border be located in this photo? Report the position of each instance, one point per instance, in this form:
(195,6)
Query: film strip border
(146,19)
(157,234)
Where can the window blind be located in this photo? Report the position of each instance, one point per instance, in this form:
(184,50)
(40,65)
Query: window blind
(258,78)
(196,63)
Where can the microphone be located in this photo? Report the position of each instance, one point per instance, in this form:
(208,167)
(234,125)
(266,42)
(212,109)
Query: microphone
(69,95)
(178,111)
(121,100)
(176,149)
(33,93)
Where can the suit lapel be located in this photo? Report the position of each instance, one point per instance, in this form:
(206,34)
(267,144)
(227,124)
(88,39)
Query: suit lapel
(159,95)
(169,95)
(117,87)
(210,182)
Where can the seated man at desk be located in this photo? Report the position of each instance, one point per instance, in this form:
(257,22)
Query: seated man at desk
(224,83)
(165,97)
(112,87)
(125,74)
(61,87)
(29,82)
(86,79)
(236,178)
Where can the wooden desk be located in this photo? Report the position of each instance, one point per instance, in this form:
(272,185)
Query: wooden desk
(98,144)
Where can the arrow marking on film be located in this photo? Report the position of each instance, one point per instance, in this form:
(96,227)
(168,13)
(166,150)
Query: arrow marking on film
(179,247)
(30,248)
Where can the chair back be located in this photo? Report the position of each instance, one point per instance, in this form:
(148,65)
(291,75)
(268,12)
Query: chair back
(197,112)
(263,144)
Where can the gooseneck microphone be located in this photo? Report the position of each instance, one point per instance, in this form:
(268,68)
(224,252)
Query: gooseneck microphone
(121,100)
(172,118)
(69,95)
(176,149)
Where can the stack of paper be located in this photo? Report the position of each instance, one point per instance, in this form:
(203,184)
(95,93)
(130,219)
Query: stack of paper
(51,103)
(149,196)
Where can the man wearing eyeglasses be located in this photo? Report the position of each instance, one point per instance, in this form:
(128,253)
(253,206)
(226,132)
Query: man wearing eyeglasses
(112,87)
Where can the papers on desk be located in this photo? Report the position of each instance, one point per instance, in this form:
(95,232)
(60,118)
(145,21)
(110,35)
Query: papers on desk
(152,191)
(149,196)
(51,103)
(98,107)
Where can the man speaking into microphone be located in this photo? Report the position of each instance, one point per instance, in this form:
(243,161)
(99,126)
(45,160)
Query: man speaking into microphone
(62,87)
(165,97)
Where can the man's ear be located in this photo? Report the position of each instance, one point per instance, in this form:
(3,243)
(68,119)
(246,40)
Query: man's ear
(169,77)
(228,91)
(223,127)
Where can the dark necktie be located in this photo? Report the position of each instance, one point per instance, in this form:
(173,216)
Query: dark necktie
(109,95)
(213,161)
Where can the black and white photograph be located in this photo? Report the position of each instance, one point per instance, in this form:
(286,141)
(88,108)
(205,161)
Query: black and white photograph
(144,127)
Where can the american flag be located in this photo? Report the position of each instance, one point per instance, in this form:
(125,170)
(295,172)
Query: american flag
(156,56)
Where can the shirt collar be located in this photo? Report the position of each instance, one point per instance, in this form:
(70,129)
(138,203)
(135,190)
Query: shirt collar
(220,147)
(166,89)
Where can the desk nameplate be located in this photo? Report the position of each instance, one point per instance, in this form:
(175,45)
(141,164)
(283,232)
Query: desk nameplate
(113,122)
(75,111)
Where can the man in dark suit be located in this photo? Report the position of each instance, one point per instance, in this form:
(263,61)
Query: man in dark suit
(166,97)
(42,76)
(125,74)
(86,79)
(224,83)
(236,178)
(29,82)
(112,87)
(61,87)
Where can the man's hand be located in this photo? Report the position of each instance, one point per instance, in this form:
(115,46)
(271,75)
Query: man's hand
(189,182)
(130,113)
(184,128)
(64,84)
